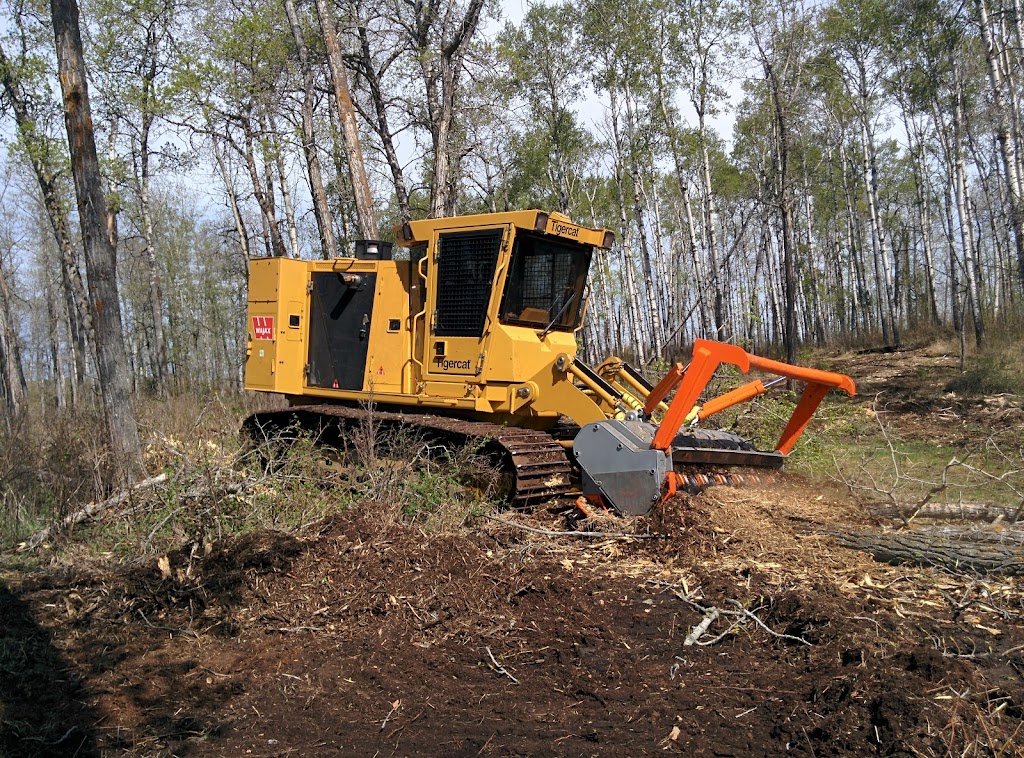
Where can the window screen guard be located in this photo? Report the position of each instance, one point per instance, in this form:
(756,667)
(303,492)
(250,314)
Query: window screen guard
(545,282)
(465,279)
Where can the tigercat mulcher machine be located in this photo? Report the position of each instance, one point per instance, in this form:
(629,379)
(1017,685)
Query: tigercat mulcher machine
(473,337)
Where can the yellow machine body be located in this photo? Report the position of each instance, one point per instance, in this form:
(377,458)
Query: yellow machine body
(480,320)
(478,323)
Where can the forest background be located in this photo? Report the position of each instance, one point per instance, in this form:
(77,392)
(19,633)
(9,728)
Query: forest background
(872,187)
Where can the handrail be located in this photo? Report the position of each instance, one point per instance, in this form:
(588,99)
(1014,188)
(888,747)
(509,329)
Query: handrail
(412,324)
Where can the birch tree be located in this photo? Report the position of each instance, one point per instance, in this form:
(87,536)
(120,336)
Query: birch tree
(781,37)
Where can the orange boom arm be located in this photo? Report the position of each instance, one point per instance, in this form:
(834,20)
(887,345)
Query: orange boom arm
(707,357)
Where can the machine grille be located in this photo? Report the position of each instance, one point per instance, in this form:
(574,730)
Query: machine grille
(465,279)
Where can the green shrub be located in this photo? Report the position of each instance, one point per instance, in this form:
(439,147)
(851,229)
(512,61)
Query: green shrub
(991,373)
(50,465)
(219,483)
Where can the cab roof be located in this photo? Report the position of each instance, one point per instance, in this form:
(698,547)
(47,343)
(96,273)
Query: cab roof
(548,222)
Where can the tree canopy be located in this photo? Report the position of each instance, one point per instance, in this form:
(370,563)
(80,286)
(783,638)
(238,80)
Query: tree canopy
(776,172)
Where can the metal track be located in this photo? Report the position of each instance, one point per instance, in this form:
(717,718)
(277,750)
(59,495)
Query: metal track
(536,462)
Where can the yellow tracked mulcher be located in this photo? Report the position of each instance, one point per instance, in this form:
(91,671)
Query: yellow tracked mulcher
(473,337)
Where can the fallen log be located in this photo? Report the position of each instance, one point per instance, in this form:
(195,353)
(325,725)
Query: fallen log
(950,511)
(89,511)
(997,534)
(954,549)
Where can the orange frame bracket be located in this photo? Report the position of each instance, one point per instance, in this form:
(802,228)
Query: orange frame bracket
(707,357)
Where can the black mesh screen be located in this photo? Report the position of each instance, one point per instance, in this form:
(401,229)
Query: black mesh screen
(465,278)
(543,274)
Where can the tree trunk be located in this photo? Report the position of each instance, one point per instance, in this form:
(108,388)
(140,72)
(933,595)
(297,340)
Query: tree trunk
(12,374)
(75,300)
(887,293)
(156,297)
(236,212)
(789,334)
(966,239)
(924,216)
(441,81)
(834,280)
(381,123)
(113,207)
(286,195)
(344,211)
(100,261)
(755,310)
(604,296)
(699,280)
(52,333)
(710,220)
(349,127)
(883,284)
(664,285)
(815,320)
(265,201)
(1007,144)
(321,210)
(650,283)
(772,332)
(629,293)
(859,311)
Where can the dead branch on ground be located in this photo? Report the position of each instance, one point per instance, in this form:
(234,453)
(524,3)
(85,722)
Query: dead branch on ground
(92,510)
(900,478)
(952,511)
(740,617)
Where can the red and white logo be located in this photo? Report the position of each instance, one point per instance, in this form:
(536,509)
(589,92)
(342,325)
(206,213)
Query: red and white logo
(263,327)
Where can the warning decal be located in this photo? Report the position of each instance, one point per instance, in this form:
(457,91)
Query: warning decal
(263,327)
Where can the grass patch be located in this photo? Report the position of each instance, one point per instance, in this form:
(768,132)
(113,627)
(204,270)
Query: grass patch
(991,373)
(220,483)
(907,473)
(866,453)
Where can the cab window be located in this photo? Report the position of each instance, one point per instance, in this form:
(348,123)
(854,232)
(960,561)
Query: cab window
(545,283)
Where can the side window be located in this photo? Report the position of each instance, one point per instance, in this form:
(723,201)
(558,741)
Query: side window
(545,283)
(465,277)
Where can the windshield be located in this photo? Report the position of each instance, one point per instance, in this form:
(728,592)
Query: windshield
(545,282)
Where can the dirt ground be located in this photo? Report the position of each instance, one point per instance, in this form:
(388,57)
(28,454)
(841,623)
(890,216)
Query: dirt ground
(360,638)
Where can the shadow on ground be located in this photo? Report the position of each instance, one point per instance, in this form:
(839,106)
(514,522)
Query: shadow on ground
(42,701)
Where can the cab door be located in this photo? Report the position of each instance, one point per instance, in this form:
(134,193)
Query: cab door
(466,272)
